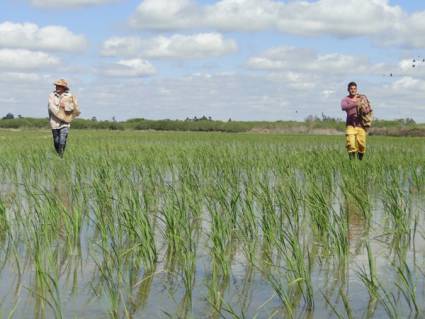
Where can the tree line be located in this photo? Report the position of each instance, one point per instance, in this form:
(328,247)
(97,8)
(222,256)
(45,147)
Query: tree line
(310,124)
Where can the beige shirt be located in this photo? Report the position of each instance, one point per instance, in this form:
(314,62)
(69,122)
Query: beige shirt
(53,107)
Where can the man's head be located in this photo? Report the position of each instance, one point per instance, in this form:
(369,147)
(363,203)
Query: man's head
(61,85)
(352,88)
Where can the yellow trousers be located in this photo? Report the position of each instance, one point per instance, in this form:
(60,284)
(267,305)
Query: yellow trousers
(355,139)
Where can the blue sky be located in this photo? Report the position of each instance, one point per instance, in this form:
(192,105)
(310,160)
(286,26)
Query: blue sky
(244,59)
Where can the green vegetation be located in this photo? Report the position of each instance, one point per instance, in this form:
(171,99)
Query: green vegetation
(189,225)
(312,125)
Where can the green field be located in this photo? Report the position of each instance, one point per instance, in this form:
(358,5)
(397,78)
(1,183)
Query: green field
(210,225)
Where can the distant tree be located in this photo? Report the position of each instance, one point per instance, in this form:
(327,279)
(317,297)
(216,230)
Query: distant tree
(114,119)
(20,116)
(209,118)
(195,118)
(94,119)
(326,118)
(203,118)
(309,118)
(9,116)
(410,121)
(229,120)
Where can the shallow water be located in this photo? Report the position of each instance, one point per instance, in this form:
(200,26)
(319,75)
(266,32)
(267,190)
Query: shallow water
(47,273)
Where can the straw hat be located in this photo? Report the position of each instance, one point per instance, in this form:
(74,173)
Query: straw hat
(62,82)
(68,103)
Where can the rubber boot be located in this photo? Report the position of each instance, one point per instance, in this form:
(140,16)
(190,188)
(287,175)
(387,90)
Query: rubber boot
(61,150)
(352,155)
(57,147)
(360,156)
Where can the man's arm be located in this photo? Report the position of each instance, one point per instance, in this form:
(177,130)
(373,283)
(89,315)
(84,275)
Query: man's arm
(348,104)
(52,106)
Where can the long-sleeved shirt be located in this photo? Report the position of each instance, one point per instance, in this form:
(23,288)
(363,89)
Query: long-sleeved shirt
(53,107)
(350,105)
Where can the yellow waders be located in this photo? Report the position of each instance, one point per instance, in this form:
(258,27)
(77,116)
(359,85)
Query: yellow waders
(355,139)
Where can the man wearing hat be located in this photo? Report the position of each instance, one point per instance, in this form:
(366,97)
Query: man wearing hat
(63,108)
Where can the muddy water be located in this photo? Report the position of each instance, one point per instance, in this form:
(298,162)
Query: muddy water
(83,292)
(159,293)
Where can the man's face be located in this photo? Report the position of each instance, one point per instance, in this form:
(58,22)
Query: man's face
(352,90)
(60,88)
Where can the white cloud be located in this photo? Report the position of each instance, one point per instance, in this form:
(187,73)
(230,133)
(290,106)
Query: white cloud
(409,83)
(20,59)
(7,100)
(410,67)
(31,36)
(382,22)
(129,68)
(243,96)
(300,81)
(339,18)
(282,58)
(246,97)
(68,3)
(167,14)
(177,46)
(406,32)
(327,93)
(122,46)
(20,76)
(307,61)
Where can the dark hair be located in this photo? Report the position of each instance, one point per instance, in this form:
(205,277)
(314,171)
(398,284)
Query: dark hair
(351,84)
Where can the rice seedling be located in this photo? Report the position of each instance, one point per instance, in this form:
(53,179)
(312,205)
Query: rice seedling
(129,222)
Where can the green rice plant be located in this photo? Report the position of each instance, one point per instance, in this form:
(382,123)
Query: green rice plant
(4,225)
(346,303)
(228,309)
(143,288)
(46,287)
(139,228)
(110,271)
(290,200)
(180,233)
(369,276)
(359,196)
(418,179)
(216,285)
(389,301)
(407,285)
(397,207)
(334,309)
(284,291)
(319,207)
(300,266)
(220,237)
(269,214)
(247,229)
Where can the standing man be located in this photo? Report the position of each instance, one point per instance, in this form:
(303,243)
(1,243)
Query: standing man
(62,107)
(357,106)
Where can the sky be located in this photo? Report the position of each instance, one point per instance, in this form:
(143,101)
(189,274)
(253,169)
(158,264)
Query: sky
(238,59)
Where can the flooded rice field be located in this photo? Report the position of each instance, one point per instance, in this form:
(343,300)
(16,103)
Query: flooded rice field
(200,225)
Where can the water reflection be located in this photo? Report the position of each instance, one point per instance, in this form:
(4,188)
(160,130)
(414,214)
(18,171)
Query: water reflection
(357,227)
(140,291)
